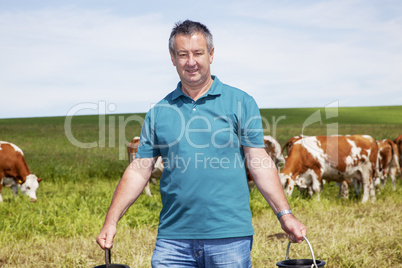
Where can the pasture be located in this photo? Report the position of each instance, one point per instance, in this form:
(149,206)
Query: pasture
(80,172)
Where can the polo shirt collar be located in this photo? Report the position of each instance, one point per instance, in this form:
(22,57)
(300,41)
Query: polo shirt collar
(215,89)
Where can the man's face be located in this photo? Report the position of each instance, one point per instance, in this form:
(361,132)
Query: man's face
(192,59)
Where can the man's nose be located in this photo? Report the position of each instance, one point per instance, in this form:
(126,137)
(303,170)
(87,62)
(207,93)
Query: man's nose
(191,60)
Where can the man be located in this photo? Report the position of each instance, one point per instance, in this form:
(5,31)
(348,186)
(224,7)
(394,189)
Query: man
(205,131)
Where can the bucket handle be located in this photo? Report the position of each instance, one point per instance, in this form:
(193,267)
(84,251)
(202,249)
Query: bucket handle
(107,257)
(311,250)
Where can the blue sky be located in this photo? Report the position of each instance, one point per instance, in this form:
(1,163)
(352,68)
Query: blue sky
(64,57)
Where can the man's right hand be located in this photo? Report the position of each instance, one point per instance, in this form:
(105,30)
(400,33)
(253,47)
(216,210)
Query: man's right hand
(105,237)
(130,187)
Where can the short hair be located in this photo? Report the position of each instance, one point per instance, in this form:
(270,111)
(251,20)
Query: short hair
(189,27)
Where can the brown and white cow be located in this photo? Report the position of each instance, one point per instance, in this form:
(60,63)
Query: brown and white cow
(14,171)
(288,145)
(274,150)
(333,158)
(343,187)
(132,148)
(388,162)
(398,142)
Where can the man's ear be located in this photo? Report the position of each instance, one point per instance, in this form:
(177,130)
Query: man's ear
(211,55)
(173,58)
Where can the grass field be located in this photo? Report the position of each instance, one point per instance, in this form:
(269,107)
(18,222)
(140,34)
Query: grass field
(59,230)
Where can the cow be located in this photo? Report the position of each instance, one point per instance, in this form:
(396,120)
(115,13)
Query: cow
(398,142)
(288,145)
(14,171)
(388,162)
(343,187)
(333,158)
(132,148)
(273,149)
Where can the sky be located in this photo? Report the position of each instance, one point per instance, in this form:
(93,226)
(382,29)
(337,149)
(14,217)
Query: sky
(76,57)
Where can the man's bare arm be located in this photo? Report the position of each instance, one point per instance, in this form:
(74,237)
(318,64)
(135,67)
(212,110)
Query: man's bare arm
(127,191)
(267,180)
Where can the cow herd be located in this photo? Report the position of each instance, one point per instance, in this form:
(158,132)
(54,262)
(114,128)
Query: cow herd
(356,160)
(310,161)
(346,159)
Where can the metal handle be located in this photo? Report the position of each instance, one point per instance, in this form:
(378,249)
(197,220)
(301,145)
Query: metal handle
(107,257)
(311,250)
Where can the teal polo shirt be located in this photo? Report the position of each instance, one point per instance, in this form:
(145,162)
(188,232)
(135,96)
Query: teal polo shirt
(204,187)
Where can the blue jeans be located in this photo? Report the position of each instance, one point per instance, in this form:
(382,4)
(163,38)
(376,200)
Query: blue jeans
(225,252)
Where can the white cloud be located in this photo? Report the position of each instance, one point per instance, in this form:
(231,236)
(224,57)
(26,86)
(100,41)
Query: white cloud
(73,55)
(284,53)
(343,49)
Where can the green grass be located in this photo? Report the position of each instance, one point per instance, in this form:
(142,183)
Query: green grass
(59,230)
(343,115)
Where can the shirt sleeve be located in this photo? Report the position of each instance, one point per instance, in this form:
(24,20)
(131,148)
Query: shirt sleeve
(251,125)
(147,147)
